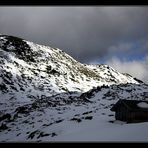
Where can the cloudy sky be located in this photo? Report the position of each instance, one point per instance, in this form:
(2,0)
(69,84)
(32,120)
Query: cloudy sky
(114,35)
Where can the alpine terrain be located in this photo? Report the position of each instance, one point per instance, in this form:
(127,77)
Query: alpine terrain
(46,95)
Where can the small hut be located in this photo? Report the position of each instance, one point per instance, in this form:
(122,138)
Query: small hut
(131,110)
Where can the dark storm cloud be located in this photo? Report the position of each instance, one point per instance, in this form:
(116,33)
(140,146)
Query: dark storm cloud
(85,33)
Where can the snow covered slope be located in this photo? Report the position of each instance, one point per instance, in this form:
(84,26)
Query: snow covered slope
(43,91)
(85,117)
(33,70)
(110,75)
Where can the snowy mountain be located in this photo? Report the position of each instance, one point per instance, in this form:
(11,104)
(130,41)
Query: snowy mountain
(28,68)
(43,91)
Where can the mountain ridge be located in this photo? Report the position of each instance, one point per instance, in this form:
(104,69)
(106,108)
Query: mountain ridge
(57,62)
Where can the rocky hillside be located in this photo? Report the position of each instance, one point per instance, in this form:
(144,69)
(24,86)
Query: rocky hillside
(56,117)
(31,71)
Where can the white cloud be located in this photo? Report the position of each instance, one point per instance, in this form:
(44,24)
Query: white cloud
(136,68)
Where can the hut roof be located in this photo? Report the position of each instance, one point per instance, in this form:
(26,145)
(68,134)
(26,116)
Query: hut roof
(134,105)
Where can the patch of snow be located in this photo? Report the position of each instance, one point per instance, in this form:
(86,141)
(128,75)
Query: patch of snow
(142,105)
(100,130)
